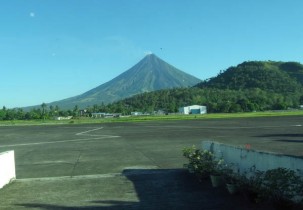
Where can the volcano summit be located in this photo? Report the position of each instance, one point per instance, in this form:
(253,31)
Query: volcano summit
(150,74)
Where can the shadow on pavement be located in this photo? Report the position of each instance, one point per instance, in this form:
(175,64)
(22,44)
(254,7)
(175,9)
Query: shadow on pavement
(281,135)
(292,141)
(165,189)
(286,136)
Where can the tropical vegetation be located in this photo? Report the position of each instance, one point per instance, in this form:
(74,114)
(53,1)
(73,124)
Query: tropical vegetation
(281,186)
(248,87)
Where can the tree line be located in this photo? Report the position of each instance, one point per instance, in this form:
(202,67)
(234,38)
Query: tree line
(170,100)
(248,87)
(43,112)
(216,100)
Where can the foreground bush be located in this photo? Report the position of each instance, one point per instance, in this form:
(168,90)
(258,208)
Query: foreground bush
(281,186)
(202,162)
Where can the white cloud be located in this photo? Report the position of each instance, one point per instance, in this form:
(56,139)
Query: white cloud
(148,52)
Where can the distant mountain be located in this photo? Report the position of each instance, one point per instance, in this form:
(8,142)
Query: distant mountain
(278,77)
(247,87)
(150,74)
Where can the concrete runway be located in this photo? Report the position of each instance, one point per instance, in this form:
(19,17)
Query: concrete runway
(70,154)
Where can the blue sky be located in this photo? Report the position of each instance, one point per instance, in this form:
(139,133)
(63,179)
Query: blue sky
(55,49)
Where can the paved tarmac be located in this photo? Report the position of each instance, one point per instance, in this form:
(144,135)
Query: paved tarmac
(130,165)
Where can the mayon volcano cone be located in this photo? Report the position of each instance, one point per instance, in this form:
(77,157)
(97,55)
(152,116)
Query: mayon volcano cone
(149,74)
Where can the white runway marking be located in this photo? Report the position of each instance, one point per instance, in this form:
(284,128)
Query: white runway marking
(223,127)
(153,170)
(56,142)
(93,176)
(84,133)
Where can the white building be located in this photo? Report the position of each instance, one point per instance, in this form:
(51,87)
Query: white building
(136,113)
(63,118)
(193,109)
(104,115)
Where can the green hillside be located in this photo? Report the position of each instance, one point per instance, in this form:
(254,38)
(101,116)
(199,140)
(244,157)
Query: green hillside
(294,69)
(268,76)
(152,85)
(250,86)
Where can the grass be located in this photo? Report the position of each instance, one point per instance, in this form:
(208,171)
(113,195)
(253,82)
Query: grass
(154,118)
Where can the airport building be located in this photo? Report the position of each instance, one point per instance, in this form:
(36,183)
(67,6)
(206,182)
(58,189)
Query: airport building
(193,109)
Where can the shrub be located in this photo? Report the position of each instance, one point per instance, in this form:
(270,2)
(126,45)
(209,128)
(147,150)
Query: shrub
(282,185)
(251,185)
(202,162)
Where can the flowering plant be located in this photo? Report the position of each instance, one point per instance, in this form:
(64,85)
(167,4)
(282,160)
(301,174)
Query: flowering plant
(202,162)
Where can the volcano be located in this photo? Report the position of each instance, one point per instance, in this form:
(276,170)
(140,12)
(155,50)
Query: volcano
(149,74)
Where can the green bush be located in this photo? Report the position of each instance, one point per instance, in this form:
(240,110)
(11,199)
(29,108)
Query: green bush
(202,162)
(282,185)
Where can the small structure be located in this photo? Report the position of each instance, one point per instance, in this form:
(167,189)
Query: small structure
(139,114)
(193,109)
(102,115)
(136,113)
(63,118)
(98,114)
(83,113)
(105,115)
(159,112)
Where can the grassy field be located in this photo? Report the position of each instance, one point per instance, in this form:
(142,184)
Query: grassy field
(154,118)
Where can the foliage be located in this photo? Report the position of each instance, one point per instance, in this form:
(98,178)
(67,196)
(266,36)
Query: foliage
(282,184)
(248,87)
(216,100)
(202,162)
(43,113)
(252,185)
(275,77)
(231,174)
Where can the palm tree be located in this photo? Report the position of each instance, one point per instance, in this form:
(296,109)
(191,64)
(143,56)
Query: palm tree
(43,106)
(75,111)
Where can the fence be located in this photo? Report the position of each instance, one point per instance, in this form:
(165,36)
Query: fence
(244,157)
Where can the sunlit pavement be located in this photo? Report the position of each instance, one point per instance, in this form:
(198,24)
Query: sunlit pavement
(127,165)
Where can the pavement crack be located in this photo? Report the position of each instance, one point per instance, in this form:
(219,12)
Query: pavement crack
(75,165)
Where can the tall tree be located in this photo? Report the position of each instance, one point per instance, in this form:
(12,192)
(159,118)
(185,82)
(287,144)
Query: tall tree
(43,114)
(75,111)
